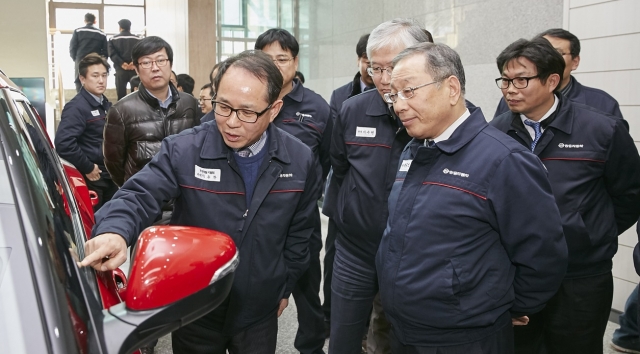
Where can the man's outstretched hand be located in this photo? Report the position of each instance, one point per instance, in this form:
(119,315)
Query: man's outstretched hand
(105,252)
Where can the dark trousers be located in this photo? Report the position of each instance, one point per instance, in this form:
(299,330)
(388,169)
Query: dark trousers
(329,255)
(197,339)
(310,336)
(104,187)
(355,284)
(122,80)
(573,321)
(501,342)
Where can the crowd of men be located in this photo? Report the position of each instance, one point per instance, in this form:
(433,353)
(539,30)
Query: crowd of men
(447,234)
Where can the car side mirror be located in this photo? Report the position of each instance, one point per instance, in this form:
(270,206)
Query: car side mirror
(178,274)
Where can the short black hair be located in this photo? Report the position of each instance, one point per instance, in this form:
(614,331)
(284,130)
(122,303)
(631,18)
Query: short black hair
(89,60)
(361,47)
(150,45)
(540,52)
(89,17)
(134,82)
(286,40)
(208,86)
(186,82)
(429,36)
(300,76)
(125,24)
(260,66)
(574,42)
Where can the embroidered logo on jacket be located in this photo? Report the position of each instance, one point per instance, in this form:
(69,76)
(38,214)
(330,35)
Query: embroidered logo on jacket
(447,171)
(570,146)
(365,132)
(286,175)
(208,174)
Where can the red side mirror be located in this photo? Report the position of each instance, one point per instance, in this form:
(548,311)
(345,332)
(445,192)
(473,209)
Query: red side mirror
(173,262)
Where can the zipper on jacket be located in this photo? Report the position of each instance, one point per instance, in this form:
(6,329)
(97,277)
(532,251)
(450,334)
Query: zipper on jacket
(245,213)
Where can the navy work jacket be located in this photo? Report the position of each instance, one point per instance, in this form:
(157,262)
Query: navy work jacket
(272,234)
(366,144)
(579,93)
(79,135)
(474,237)
(305,115)
(594,170)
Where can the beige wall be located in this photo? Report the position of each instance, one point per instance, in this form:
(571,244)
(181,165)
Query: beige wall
(202,41)
(24,42)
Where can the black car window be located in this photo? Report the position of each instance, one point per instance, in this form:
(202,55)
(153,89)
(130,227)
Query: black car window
(48,199)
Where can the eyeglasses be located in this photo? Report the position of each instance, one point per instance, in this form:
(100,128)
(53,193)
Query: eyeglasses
(378,71)
(245,115)
(282,62)
(203,99)
(148,63)
(518,82)
(405,94)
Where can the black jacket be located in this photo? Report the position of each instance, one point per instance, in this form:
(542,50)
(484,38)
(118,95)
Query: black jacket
(88,39)
(594,170)
(366,144)
(136,126)
(339,95)
(79,135)
(271,234)
(120,47)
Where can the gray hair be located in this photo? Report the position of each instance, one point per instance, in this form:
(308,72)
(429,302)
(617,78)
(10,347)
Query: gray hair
(397,33)
(441,61)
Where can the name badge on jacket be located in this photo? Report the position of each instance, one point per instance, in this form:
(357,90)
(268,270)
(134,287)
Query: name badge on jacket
(365,132)
(95,113)
(404,167)
(208,174)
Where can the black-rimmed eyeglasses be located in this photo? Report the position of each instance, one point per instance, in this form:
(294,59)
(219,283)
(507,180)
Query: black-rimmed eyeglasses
(518,82)
(245,115)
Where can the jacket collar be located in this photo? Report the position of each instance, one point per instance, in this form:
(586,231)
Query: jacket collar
(215,148)
(297,94)
(576,92)
(92,101)
(152,101)
(356,89)
(465,132)
(377,106)
(561,119)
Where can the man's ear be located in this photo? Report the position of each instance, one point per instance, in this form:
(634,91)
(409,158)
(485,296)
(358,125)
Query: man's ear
(553,81)
(455,89)
(274,110)
(575,62)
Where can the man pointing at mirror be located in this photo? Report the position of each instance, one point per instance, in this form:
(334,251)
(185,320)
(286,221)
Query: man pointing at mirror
(240,175)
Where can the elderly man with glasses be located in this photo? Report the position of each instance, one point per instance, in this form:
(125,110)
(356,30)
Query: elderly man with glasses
(474,241)
(366,143)
(305,115)
(240,175)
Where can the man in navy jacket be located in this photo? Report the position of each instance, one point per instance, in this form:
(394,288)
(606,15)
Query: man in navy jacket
(360,83)
(79,136)
(594,170)
(305,115)
(459,261)
(252,181)
(366,143)
(568,45)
